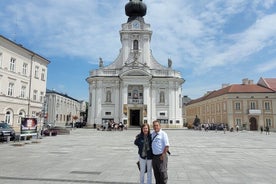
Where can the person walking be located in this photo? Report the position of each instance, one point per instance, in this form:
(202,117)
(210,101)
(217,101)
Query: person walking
(160,148)
(143,141)
(267,130)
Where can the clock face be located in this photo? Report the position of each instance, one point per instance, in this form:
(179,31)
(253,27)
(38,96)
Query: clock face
(136,24)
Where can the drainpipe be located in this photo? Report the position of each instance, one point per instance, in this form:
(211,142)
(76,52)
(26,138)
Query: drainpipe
(30,85)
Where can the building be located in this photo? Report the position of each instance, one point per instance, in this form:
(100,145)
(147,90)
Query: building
(61,109)
(135,88)
(248,105)
(23,75)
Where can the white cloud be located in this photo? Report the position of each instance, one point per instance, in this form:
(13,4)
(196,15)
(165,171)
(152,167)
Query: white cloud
(266,66)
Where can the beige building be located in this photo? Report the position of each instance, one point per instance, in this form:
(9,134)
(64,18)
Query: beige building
(23,76)
(248,105)
(62,109)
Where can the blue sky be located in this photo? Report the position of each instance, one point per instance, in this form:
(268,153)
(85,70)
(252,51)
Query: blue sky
(209,42)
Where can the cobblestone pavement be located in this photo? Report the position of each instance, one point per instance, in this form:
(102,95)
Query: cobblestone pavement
(100,157)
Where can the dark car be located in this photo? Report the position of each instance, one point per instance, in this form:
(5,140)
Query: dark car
(6,131)
(80,124)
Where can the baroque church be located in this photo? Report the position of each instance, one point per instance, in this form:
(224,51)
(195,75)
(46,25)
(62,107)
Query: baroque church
(135,88)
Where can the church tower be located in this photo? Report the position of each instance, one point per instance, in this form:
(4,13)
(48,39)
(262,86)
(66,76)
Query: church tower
(135,88)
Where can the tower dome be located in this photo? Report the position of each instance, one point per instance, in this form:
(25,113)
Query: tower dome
(135,9)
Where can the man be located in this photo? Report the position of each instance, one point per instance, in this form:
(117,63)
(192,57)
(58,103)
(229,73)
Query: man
(160,148)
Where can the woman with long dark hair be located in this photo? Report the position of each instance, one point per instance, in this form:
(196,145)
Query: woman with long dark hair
(143,141)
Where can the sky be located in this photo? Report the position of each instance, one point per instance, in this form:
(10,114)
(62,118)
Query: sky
(210,42)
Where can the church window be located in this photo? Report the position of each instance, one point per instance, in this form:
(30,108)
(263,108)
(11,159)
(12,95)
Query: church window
(135,94)
(135,45)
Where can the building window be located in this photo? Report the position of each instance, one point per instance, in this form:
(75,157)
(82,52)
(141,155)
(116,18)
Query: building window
(238,121)
(1,58)
(21,115)
(267,106)
(237,106)
(135,94)
(268,122)
(252,105)
(8,117)
(218,107)
(35,95)
(36,71)
(43,75)
(224,106)
(135,45)
(107,113)
(25,69)
(23,92)
(41,96)
(12,64)
(10,89)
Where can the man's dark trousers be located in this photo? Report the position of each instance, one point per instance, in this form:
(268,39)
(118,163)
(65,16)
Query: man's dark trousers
(160,169)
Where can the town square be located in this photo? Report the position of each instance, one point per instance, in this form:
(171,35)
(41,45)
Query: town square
(106,157)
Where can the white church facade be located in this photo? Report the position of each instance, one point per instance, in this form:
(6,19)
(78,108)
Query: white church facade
(135,88)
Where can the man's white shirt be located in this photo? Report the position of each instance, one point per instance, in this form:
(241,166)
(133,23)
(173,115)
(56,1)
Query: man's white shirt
(159,142)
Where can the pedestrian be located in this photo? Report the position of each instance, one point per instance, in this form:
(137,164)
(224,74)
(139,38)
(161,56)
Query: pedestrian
(262,129)
(267,130)
(143,141)
(160,148)
(237,128)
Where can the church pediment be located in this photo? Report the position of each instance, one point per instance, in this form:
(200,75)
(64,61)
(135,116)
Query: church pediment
(135,72)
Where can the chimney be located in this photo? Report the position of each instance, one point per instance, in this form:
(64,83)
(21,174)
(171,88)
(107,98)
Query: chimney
(225,85)
(245,81)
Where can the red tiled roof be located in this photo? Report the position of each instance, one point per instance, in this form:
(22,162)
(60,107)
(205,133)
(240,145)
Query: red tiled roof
(271,83)
(235,88)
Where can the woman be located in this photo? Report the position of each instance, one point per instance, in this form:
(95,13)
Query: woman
(143,141)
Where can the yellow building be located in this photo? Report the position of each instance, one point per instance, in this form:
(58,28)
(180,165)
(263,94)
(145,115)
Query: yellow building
(249,106)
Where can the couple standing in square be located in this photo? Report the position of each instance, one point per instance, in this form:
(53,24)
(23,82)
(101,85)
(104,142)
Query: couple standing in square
(152,149)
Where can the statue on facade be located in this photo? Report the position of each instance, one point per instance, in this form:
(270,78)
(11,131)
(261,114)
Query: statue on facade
(169,63)
(100,62)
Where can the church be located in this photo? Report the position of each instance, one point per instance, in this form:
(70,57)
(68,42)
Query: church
(135,88)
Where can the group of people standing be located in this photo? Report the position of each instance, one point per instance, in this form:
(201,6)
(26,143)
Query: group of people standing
(153,149)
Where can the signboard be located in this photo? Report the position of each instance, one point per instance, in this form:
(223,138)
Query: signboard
(29,126)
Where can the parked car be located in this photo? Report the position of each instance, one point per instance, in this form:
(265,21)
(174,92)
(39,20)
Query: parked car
(6,131)
(80,124)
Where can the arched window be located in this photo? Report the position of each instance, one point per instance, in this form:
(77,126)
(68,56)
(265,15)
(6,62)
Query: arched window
(8,117)
(135,45)
(20,116)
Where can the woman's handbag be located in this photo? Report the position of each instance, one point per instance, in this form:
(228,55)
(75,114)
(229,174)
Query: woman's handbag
(138,165)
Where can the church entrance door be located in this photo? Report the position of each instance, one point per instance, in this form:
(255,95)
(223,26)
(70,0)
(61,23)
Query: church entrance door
(134,117)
